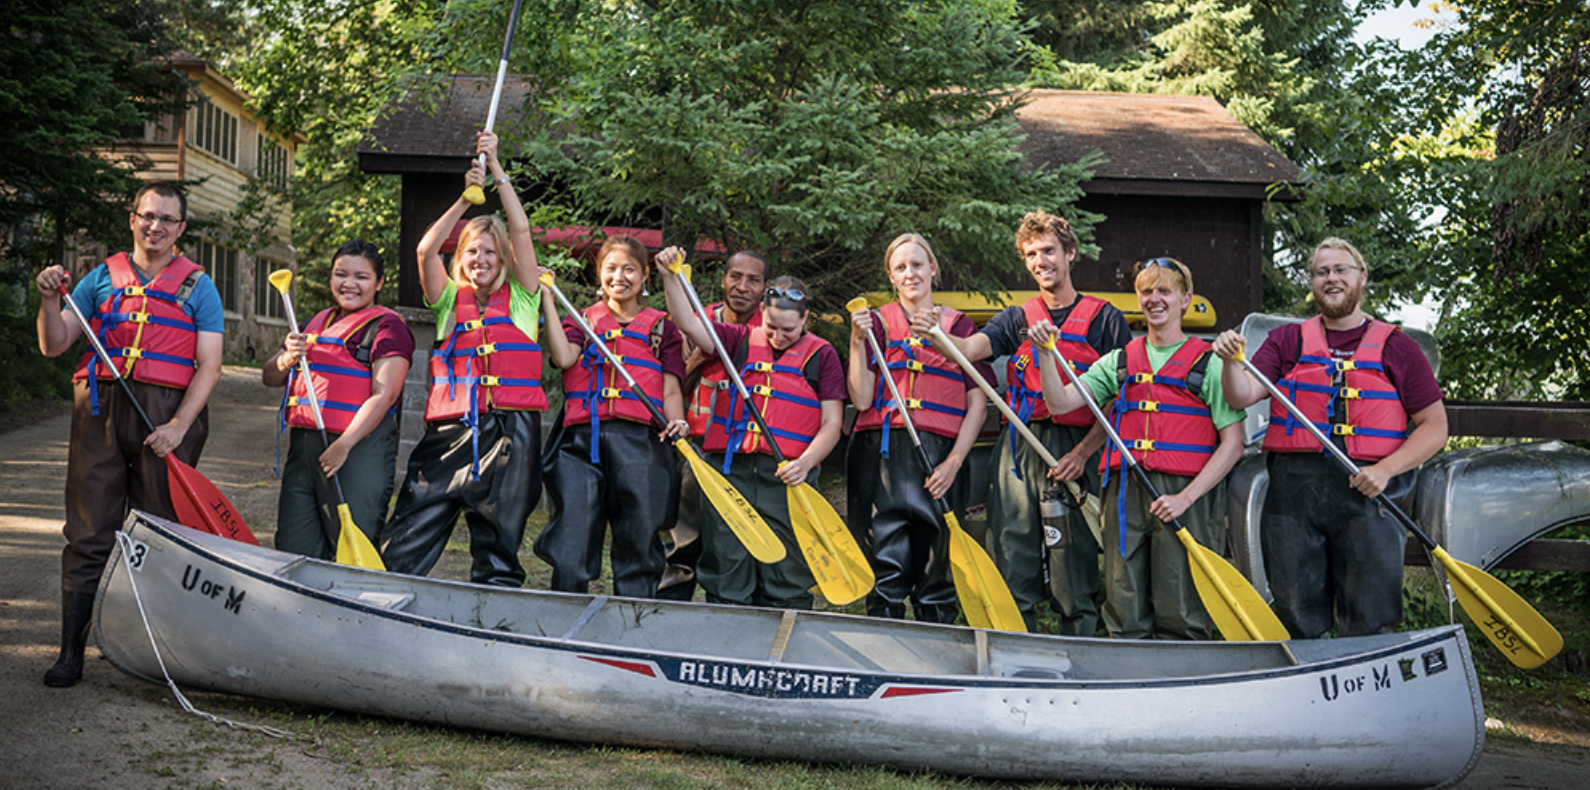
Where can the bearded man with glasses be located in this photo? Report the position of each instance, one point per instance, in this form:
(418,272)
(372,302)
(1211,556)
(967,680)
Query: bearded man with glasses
(159,316)
(1332,555)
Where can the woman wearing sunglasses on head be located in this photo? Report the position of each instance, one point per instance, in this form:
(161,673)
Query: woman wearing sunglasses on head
(797,382)
(890,496)
(613,469)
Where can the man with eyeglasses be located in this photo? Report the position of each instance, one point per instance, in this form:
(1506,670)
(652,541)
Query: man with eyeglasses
(1333,557)
(159,316)
(1088,327)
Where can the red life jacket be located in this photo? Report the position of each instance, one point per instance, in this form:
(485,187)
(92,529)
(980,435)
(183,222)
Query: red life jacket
(594,391)
(780,391)
(1023,384)
(1351,398)
(713,380)
(145,325)
(341,374)
(486,363)
(1161,416)
(930,383)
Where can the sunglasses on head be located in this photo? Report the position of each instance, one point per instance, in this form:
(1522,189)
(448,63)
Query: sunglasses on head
(787,294)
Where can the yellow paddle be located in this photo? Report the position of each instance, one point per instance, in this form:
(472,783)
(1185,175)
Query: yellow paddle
(842,572)
(737,512)
(1511,624)
(1088,504)
(984,597)
(1237,609)
(353,547)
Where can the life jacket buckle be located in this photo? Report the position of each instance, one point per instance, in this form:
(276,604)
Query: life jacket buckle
(1351,393)
(762,367)
(612,393)
(470,326)
(913,403)
(1148,405)
(612,334)
(490,381)
(913,365)
(132,352)
(763,390)
(1340,429)
(487,349)
(1141,378)
(1142,444)
(138,318)
(133,290)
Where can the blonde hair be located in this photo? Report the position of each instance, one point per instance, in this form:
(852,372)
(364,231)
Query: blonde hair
(910,238)
(1038,223)
(1335,243)
(1158,271)
(475,228)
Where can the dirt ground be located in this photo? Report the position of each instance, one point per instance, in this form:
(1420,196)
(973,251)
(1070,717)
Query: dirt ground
(113,731)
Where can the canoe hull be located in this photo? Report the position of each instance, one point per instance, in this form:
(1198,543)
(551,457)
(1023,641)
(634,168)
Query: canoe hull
(1396,711)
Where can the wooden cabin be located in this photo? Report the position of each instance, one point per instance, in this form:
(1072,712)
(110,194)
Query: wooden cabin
(215,149)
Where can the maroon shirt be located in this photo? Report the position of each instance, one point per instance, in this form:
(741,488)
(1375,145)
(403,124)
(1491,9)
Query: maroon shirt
(1405,363)
(829,382)
(670,348)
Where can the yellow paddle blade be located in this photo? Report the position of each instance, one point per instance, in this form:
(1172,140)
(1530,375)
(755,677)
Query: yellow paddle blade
(353,548)
(282,279)
(841,570)
(985,599)
(474,195)
(1507,620)
(737,512)
(1090,510)
(1237,609)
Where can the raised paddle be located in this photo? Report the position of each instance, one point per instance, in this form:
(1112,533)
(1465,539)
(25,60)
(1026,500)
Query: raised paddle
(985,598)
(836,561)
(1088,504)
(737,512)
(353,546)
(1237,609)
(474,194)
(196,500)
(1520,632)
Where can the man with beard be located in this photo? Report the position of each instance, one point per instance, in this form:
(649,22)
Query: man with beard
(744,280)
(1332,555)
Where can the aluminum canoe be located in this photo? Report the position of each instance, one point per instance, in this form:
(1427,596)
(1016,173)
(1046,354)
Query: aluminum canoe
(1399,710)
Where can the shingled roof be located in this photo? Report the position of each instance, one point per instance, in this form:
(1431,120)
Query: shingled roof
(1156,144)
(424,137)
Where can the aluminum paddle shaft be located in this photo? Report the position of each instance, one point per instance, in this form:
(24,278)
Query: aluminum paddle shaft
(473,194)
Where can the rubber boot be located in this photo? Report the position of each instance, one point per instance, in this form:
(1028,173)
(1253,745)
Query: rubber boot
(76,609)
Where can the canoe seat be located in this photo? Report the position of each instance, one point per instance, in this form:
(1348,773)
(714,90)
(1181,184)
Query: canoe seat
(395,600)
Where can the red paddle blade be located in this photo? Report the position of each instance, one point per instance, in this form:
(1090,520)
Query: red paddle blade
(199,504)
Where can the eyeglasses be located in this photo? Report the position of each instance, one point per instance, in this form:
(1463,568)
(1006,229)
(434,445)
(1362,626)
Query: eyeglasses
(153,220)
(1327,271)
(788,294)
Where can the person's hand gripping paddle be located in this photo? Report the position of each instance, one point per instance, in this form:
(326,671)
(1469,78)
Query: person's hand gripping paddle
(198,503)
(1237,609)
(984,597)
(739,514)
(474,194)
(842,572)
(1520,632)
(353,547)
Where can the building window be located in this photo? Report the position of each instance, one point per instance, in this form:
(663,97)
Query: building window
(221,264)
(212,129)
(267,300)
(275,165)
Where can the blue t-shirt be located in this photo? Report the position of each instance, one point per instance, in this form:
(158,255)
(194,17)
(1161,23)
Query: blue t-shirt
(203,305)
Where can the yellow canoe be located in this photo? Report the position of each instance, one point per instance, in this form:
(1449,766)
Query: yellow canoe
(1200,314)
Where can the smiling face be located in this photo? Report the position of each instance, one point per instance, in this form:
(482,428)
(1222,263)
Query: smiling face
(479,262)
(354,283)
(157,239)
(783,326)
(1338,282)
(743,282)
(1048,261)
(622,277)
(911,272)
(1162,304)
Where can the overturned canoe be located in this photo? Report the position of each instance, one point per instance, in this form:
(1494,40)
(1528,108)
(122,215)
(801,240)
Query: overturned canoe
(1400,710)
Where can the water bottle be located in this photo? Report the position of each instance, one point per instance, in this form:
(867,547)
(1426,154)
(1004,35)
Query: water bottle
(1056,518)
